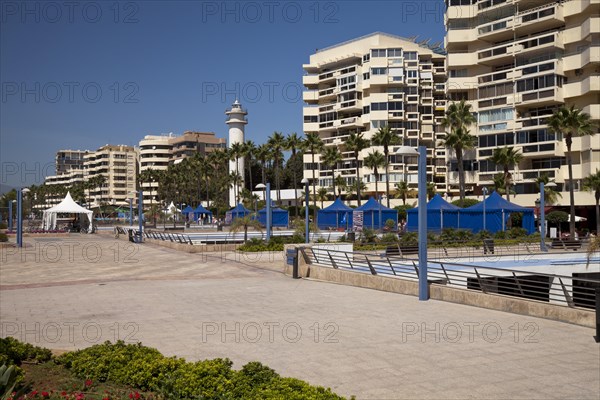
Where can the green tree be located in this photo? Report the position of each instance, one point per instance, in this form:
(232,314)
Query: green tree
(313,145)
(550,195)
(243,223)
(249,150)
(293,143)
(592,184)
(375,160)
(402,191)
(570,123)
(431,190)
(385,137)
(356,143)
(277,143)
(322,195)
(330,157)
(236,151)
(340,184)
(506,157)
(458,118)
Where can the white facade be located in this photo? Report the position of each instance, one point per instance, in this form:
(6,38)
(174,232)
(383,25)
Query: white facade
(236,120)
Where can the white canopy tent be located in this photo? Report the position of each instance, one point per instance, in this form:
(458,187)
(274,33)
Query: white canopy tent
(171,208)
(67,206)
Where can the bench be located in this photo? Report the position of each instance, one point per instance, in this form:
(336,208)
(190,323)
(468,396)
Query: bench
(399,250)
(566,244)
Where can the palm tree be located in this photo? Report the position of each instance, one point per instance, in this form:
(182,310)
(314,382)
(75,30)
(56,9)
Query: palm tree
(263,155)
(293,143)
(357,187)
(330,157)
(570,122)
(507,157)
(322,195)
(592,184)
(402,191)
(431,190)
(236,151)
(341,184)
(356,143)
(375,160)
(249,150)
(149,176)
(244,223)
(386,137)
(458,118)
(500,183)
(313,145)
(550,195)
(277,143)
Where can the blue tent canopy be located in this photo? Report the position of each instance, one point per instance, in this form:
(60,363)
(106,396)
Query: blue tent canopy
(370,214)
(188,212)
(200,210)
(337,215)
(497,212)
(281,218)
(440,215)
(238,211)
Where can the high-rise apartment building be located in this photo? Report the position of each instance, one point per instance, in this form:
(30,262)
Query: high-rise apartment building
(365,84)
(516,62)
(69,171)
(69,160)
(157,152)
(118,164)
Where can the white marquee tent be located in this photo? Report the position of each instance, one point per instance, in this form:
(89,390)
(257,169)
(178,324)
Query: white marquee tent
(67,206)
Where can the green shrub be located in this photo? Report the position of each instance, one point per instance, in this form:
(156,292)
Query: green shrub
(483,234)
(500,235)
(368,236)
(517,232)
(390,224)
(402,211)
(145,368)
(13,351)
(389,238)
(409,239)
(3,237)
(465,202)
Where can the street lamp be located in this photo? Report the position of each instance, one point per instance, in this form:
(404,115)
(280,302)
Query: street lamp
(140,214)
(131,197)
(543,215)
(20,216)
(10,214)
(306,200)
(267,198)
(422,214)
(485,192)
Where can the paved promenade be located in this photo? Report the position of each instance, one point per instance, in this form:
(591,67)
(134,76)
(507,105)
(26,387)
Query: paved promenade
(76,291)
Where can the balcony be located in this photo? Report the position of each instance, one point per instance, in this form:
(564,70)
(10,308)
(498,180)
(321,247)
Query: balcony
(582,58)
(328,94)
(543,97)
(461,59)
(582,87)
(575,34)
(310,126)
(462,35)
(310,96)
(496,31)
(310,80)
(539,19)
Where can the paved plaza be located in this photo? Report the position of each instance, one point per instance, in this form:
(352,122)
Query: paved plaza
(72,292)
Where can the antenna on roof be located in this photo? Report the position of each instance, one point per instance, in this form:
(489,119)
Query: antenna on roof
(413,38)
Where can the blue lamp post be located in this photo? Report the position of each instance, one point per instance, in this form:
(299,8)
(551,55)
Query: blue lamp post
(485,192)
(421,216)
(10,215)
(543,215)
(306,200)
(140,214)
(267,198)
(131,208)
(20,215)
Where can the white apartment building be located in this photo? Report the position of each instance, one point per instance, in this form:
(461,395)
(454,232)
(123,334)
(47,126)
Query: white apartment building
(69,171)
(118,164)
(155,153)
(367,83)
(516,62)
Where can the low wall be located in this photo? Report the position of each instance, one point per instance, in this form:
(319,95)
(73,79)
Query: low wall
(187,248)
(445,293)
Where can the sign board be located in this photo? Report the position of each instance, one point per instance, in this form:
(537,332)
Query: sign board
(291,255)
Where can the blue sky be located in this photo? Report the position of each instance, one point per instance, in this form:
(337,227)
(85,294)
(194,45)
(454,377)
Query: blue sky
(83,74)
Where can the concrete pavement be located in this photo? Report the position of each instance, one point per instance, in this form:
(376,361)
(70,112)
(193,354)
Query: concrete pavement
(371,344)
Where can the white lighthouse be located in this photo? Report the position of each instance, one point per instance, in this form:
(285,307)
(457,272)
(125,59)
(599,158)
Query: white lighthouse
(236,119)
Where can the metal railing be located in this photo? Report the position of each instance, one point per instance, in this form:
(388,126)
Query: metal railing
(570,291)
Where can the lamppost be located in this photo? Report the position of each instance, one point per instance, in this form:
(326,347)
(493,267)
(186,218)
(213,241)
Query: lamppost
(20,216)
(10,215)
(380,223)
(543,215)
(306,200)
(422,215)
(267,198)
(131,196)
(140,215)
(485,192)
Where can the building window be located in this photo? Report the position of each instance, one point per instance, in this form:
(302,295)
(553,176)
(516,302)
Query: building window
(379,71)
(410,55)
(394,52)
(378,106)
(378,52)
(412,74)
